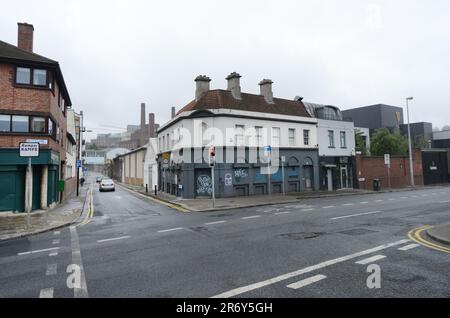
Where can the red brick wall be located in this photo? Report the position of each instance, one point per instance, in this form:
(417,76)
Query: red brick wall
(370,168)
(70,187)
(29,100)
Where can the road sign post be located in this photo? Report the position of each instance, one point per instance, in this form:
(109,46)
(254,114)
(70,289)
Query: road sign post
(212,163)
(267,154)
(283,160)
(30,150)
(387,162)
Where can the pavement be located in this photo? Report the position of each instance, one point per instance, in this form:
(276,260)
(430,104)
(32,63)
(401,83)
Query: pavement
(133,246)
(206,205)
(14,225)
(440,233)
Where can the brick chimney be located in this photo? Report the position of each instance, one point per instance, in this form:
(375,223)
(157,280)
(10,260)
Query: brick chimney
(234,85)
(173,112)
(266,90)
(151,125)
(25,36)
(202,86)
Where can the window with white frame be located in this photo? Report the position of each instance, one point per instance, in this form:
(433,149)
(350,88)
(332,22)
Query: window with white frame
(291,137)
(343,140)
(330,138)
(275,136)
(306,137)
(239,135)
(259,136)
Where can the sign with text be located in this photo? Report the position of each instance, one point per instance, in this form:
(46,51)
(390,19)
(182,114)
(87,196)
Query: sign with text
(387,159)
(39,141)
(29,149)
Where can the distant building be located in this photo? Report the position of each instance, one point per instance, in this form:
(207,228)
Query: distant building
(375,117)
(421,134)
(441,139)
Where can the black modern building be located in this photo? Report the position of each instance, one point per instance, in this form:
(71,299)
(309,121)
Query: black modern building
(421,133)
(375,117)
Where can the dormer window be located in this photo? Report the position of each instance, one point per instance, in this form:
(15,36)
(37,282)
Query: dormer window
(40,77)
(23,76)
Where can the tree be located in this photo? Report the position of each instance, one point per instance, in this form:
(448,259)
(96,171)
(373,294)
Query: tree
(383,142)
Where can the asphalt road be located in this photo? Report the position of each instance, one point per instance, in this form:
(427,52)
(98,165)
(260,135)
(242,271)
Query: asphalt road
(134,247)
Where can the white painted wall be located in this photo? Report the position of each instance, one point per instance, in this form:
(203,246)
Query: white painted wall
(150,164)
(337,127)
(267,121)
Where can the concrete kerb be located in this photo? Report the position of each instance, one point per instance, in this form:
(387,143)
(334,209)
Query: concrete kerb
(50,228)
(435,233)
(86,207)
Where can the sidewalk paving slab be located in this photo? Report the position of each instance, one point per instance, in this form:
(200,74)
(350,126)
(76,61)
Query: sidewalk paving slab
(440,233)
(14,226)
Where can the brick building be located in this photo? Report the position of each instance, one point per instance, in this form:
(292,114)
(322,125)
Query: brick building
(33,106)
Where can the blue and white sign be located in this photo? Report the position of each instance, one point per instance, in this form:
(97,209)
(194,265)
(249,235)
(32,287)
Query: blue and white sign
(39,141)
(267,151)
(78,163)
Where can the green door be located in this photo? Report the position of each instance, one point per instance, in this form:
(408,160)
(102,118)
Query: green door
(37,171)
(52,185)
(12,190)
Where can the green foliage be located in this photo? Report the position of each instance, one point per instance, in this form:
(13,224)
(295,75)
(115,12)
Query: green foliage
(360,143)
(383,142)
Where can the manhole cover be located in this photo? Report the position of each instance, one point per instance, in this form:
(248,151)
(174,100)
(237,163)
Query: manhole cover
(356,232)
(301,235)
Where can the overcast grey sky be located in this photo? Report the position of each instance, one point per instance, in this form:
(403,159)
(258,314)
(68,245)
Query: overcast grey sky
(116,54)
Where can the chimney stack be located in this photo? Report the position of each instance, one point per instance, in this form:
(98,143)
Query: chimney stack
(234,85)
(151,125)
(25,37)
(266,90)
(142,116)
(202,86)
(173,112)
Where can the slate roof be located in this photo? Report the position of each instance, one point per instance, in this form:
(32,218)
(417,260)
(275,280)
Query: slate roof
(216,99)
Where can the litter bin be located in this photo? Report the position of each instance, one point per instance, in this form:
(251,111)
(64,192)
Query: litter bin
(376,185)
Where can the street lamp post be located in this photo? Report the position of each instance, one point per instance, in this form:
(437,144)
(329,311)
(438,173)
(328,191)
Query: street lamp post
(411,168)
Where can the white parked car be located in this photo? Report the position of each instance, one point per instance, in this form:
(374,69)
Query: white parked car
(107,185)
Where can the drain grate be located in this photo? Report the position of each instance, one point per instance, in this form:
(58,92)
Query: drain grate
(356,232)
(301,235)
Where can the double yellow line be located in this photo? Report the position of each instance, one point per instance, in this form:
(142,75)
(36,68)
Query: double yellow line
(90,213)
(415,235)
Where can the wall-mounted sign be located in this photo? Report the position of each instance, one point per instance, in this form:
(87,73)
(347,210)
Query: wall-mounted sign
(29,149)
(387,159)
(39,141)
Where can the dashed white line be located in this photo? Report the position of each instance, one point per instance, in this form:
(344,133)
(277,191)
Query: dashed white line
(170,230)
(353,215)
(46,293)
(56,242)
(379,201)
(51,269)
(408,247)
(244,289)
(391,199)
(281,213)
(79,291)
(214,223)
(113,239)
(52,254)
(38,251)
(444,202)
(306,282)
(328,207)
(370,259)
(306,210)
(56,233)
(251,217)
(365,202)
(403,197)
(348,204)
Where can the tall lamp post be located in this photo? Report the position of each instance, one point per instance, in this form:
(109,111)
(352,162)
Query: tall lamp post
(411,168)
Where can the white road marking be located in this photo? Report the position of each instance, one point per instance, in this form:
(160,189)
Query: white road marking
(244,289)
(365,202)
(38,251)
(353,215)
(434,194)
(328,207)
(306,282)
(379,201)
(56,232)
(281,213)
(51,269)
(53,254)
(46,293)
(408,247)
(391,199)
(80,291)
(218,222)
(348,204)
(113,239)
(170,230)
(444,201)
(403,197)
(251,217)
(370,260)
(306,210)
(55,242)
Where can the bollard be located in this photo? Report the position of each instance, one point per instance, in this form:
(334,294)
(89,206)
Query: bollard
(146,188)
(156,190)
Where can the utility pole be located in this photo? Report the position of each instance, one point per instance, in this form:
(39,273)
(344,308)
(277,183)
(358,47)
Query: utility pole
(212,163)
(411,168)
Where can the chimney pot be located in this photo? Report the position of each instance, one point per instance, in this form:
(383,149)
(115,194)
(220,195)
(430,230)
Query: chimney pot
(234,85)
(25,36)
(266,90)
(202,86)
